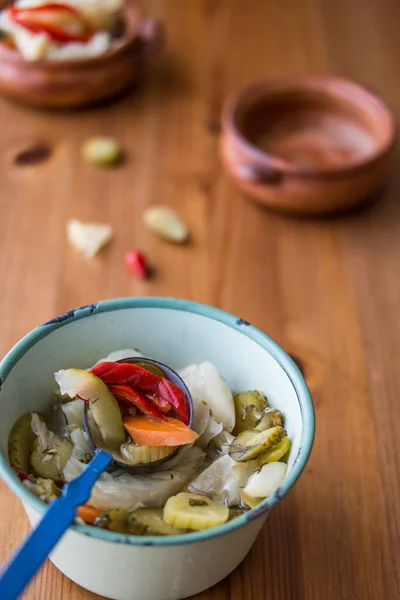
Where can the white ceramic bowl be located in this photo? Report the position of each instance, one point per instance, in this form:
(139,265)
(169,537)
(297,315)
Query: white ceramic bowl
(177,333)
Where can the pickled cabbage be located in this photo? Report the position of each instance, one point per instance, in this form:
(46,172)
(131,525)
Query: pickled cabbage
(207,386)
(46,438)
(223,480)
(73,412)
(83,447)
(152,489)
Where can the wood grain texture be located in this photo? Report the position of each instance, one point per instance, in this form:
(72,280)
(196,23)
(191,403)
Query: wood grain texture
(327,290)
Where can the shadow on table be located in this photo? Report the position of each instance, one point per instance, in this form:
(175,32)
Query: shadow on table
(167,77)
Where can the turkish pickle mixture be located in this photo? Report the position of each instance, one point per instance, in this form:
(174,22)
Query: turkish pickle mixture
(176,469)
(67,30)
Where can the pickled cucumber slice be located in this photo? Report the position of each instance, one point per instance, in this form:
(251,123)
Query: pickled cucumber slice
(245,437)
(116,519)
(103,406)
(135,454)
(49,463)
(251,443)
(271,418)
(20,443)
(236,511)
(249,409)
(153,522)
(191,511)
(276,452)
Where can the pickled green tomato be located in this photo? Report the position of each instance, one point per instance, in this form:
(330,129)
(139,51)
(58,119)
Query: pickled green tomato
(20,443)
(103,406)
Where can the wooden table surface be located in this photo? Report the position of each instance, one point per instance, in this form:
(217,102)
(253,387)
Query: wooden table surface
(327,290)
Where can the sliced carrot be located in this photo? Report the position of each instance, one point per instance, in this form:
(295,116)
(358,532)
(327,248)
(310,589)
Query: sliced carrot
(88,513)
(148,431)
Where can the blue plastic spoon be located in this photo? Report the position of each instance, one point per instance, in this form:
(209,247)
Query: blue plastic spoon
(60,514)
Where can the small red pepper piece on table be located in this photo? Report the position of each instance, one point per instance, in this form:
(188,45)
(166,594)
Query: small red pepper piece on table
(60,22)
(126,393)
(136,263)
(145,381)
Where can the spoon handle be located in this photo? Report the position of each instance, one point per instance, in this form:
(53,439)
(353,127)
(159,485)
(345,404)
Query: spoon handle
(60,514)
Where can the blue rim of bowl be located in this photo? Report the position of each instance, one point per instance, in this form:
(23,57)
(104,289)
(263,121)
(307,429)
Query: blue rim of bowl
(297,380)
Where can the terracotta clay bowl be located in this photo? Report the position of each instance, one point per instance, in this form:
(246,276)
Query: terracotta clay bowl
(79,83)
(307,144)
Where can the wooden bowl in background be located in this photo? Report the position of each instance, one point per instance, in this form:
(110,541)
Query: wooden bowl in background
(307,144)
(79,83)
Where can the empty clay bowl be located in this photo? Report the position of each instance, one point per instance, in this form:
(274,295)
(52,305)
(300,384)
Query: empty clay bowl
(307,144)
(78,83)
